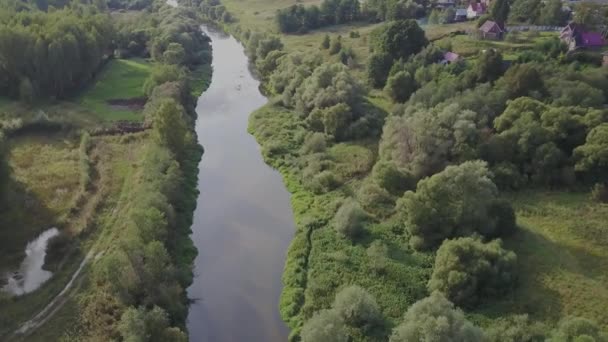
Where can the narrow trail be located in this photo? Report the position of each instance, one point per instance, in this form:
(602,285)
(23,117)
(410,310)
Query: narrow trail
(53,306)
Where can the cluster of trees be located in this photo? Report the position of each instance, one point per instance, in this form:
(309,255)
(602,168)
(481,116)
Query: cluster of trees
(51,54)
(538,12)
(385,10)
(213,10)
(300,19)
(171,36)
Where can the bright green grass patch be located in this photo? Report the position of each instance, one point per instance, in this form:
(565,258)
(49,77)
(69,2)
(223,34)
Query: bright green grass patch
(121,79)
(563,256)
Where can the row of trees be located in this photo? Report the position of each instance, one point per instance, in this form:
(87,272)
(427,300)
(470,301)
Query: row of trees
(51,54)
(300,19)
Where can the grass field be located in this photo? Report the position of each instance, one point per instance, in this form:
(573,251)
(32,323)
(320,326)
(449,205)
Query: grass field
(120,79)
(563,256)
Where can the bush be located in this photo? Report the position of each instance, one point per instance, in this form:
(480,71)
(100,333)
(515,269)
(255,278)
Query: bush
(400,86)
(324,181)
(336,45)
(516,329)
(389,177)
(436,319)
(599,193)
(373,196)
(357,308)
(314,143)
(578,329)
(349,219)
(324,326)
(458,201)
(377,254)
(467,270)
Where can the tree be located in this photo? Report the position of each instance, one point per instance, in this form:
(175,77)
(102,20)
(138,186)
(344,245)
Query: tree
(357,308)
(455,202)
(378,67)
(516,329)
(326,42)
(324,326)
(526,11)
(391,178)
(336,45)
(592,157)
(522,80)
(377,253)
(467,270)
(336,120)
(500,11)
(489,66)
(174,54)
(400,86)
(435,319)
(169,126)
(400,39)
(552,13)
(578,329)
(348,221)
(141,325)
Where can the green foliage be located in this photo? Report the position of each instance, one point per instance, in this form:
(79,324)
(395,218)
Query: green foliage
(516,329)
(400,39)
(170,127)
(436,319)
(148,325)
(349,219)
(592,157)
(336,45)
(394,180)
(452,203)
(357,308)
(552,13)
(163,74)
(599,193)
(326,42)
(174,54)
(377,254)
(314,143)
(400,86)
(468,270)
(523,80)
(86,166)
(489,66)
(578,329)
(526,11)
(324,326)
(499,11)
(378,67)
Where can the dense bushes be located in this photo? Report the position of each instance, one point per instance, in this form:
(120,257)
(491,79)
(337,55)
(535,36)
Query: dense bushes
(467,270)
(349,219)
(436,319)
(456,202)
(300,19)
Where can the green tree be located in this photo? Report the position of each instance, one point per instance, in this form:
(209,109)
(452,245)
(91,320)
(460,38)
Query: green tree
(516,329)
(592,157)
(467,270)
(489,66)
(526,11)
(552,13)
(400,86)
(390,177)
(455,202)
(499,11)
(349,219)
(377,254)
(336,120)
(357,308)
(174,54)
(324,326)
(170,128)
(378,67)
(141,325)
(336,45)
(435,319)
(522,80)
(326,42)
(400,39)
(578,329)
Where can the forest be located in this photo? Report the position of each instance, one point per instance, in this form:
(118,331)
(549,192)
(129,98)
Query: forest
(424,190)
(131,212)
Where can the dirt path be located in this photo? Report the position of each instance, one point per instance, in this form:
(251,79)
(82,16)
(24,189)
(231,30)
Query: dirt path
(53,306)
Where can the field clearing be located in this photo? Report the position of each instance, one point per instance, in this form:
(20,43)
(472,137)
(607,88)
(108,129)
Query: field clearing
(563,255)
(120,79)
(469,46)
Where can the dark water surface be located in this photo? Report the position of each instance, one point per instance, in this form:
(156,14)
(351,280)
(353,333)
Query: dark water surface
(243,222)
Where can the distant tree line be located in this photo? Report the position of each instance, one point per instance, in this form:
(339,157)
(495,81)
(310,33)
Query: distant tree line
(300,19)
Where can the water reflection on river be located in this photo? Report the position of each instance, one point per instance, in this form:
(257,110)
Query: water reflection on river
(243,222)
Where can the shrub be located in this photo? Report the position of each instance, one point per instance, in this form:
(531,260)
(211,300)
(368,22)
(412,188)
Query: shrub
(400,86)
(348,220)
(578,329)
(336,45)
(467,269)
(314,143)
(516,329)
(436,319)
(389,177)
(373,196)
(357,308)
(377,254)
(599,193)
(324,326)
(324,181)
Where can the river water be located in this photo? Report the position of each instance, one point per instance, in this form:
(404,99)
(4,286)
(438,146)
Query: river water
(243,222)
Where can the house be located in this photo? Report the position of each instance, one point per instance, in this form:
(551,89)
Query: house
(460,15)
(476,10)
(450,57)
(576,37)
(491,30)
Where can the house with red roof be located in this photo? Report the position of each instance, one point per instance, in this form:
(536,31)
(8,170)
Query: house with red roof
(491,30)
(476,10)
(576,37)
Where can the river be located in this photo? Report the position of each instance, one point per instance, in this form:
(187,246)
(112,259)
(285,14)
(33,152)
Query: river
(243,222)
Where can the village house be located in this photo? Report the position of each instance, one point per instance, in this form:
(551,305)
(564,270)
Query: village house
(576,37)
(450,57)
(460,15)
(491,30)
(476,10)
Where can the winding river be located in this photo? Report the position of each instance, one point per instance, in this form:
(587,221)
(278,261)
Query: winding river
(243,222)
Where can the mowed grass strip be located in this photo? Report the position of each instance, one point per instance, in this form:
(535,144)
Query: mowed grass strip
(121,79)
(562,248)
